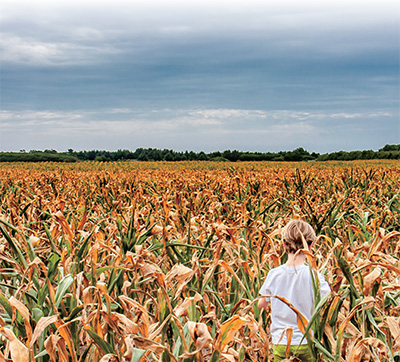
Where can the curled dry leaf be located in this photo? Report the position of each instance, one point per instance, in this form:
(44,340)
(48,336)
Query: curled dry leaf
(150,268)
(130,327)
(366,303)
(289,334)
(229,329)
(34,240)
(64,224)
(102,287)
(228,357)
(182,309)
(310,256)
(394,327)
(361,351)
(110,358)
(148,344)
(157,229)
(144,325)
(17,305)
(19,352)
(50,345)
(180,273)
(87,295)
(129,348)
(225,265)
(42,324)
(200,336)
(370,279)
(38,263)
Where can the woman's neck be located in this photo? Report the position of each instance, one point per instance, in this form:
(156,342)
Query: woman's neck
(296,260)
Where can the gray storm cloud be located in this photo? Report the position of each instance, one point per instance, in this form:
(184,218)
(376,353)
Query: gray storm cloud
(256,75)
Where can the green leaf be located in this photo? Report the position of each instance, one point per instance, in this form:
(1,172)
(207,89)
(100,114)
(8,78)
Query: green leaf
(41,354)
(65,283)
(13,245)
(215,356)
(48,233)
(242,354)
(37,313)
(139,353)
(52,264)
(85,353)
(83,247)
(4,303)
(322,349)
(165,357)
(100,342)
(119,278)
(345,267)
(74,313)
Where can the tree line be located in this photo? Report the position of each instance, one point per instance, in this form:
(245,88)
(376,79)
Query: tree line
(155,154)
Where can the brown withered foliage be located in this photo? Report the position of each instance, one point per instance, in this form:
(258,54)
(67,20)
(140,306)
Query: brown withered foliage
(163,261)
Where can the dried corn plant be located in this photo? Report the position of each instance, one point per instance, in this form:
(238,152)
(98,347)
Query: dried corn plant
(135,262)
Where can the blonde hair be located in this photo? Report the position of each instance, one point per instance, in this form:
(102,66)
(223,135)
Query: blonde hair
(293,234)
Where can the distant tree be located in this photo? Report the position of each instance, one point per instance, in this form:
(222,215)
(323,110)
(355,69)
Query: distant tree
(214,154)
(202,156)
(387,148)
(231,155)
(146,154)
(193,156)
(168,156)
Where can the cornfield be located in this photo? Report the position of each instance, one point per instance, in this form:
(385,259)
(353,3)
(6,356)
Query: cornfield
(136,262)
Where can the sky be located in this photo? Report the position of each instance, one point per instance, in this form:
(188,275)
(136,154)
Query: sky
(251,75)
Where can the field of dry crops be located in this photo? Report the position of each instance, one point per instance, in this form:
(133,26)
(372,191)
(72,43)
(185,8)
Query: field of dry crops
(163,261)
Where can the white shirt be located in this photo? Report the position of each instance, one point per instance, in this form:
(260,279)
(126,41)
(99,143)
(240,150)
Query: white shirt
(295,285)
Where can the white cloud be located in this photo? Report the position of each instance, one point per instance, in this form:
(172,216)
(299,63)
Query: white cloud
(227,113)
(30,51)
(192,129)
(346,115)
(124,122)
(222,116)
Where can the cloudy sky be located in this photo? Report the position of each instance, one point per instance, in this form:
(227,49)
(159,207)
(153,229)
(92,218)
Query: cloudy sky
(197,75)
